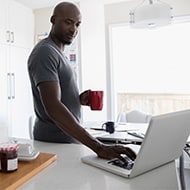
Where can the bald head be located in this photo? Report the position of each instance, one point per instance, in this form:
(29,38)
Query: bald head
(65,6)
(65,21)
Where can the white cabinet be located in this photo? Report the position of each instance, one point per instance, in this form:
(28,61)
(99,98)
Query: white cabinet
(4,37)
(16,41)
(16,24)
(21,95)
(4,103)
(20,25)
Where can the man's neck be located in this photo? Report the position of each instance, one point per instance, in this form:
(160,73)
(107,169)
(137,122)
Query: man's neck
(57,42)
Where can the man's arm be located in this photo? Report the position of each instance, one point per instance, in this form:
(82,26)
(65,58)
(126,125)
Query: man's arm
(51,98)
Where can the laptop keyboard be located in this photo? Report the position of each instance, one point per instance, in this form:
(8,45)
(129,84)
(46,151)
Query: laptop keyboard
(121,164)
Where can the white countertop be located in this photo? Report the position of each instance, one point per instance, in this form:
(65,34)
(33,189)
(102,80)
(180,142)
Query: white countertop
(69,173)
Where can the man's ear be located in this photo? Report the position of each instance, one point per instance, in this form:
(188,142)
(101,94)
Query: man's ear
(52,19)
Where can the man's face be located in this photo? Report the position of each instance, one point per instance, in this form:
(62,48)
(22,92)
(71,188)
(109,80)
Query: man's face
(66,27)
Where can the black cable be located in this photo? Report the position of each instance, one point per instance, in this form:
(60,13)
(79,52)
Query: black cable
(187,149)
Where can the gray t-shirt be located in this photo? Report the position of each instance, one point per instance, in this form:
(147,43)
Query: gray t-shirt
(47,63)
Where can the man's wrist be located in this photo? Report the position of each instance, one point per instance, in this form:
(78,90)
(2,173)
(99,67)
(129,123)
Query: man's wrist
(98,147)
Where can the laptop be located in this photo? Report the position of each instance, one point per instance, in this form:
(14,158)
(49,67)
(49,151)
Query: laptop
(164,141)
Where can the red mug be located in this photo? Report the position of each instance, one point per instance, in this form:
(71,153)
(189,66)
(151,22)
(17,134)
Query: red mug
(96,99)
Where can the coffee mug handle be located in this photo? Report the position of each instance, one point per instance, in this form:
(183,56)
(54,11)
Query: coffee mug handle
(103,126)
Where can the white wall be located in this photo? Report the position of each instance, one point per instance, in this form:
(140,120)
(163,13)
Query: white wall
(93,53)
(42,20)
(180,7)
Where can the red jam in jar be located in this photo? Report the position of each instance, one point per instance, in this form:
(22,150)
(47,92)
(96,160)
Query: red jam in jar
(8,157)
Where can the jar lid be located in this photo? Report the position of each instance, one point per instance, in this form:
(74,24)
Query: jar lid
(8,146)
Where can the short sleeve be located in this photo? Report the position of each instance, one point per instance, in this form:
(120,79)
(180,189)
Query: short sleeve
(44,64)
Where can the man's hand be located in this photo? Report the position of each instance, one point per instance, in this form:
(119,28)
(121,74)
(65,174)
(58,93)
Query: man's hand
(115,151)
(84,98)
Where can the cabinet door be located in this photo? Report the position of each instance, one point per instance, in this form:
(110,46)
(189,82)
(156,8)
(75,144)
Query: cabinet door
(4,92)
(4,32)
(21,25)
(22,105)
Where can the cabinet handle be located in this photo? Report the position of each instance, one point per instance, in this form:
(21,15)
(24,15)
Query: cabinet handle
(8,36)
(12,37)
(9,86)
(12,85)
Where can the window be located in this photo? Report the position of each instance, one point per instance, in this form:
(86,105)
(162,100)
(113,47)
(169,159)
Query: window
(150,68)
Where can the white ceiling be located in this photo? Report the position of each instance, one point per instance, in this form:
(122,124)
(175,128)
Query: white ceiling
(36,4)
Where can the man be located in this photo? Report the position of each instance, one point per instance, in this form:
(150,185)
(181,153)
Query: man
(56,98)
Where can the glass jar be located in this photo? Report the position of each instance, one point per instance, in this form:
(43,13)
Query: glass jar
(8,157)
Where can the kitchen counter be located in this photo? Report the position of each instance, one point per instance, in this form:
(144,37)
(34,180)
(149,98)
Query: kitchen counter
(69,173)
